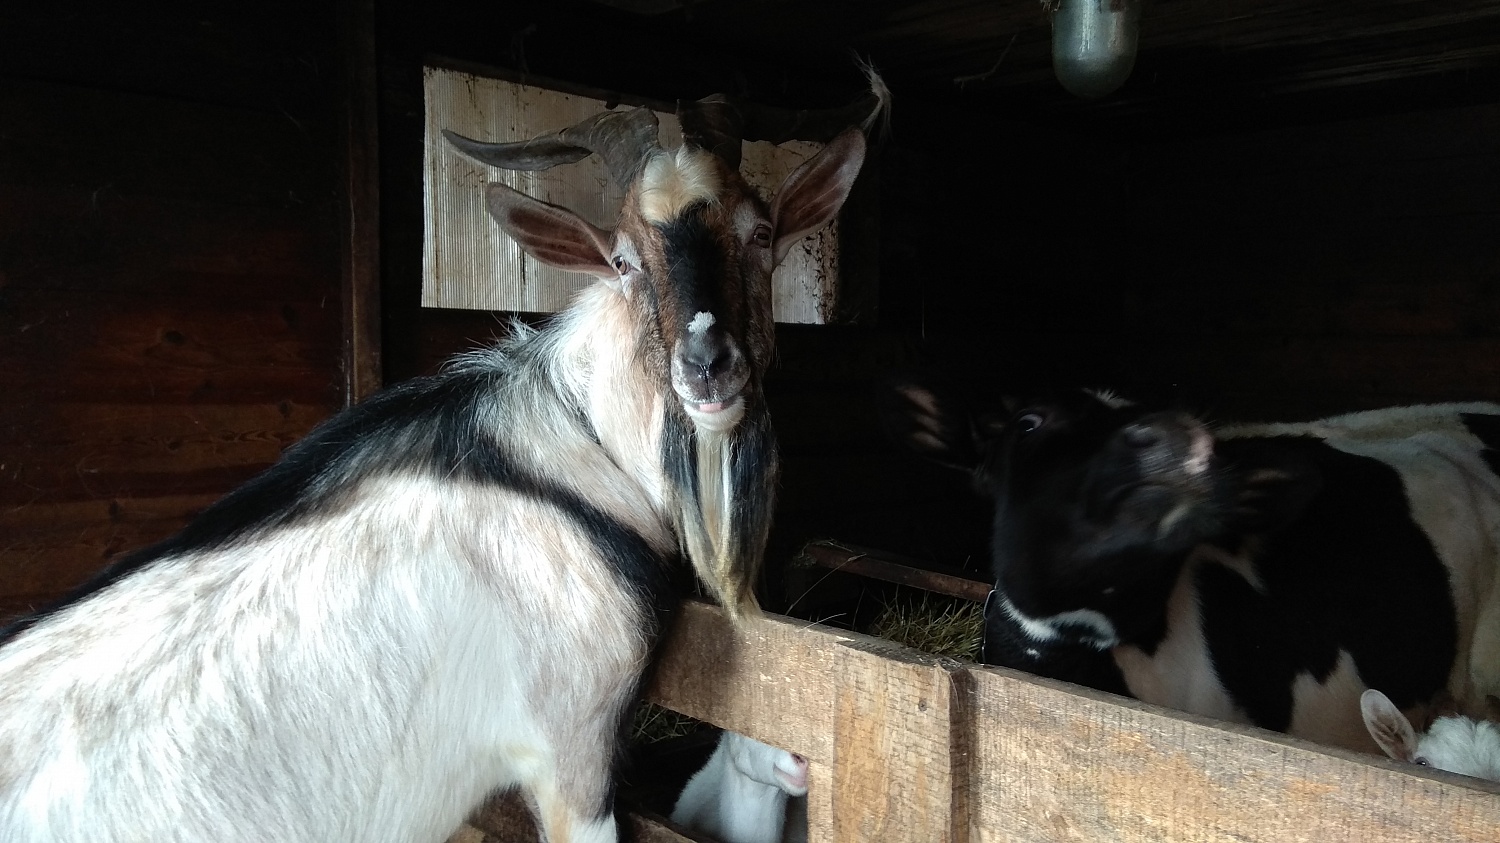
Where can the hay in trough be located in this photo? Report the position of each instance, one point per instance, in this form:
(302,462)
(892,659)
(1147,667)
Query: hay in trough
(654,724)
(942,626)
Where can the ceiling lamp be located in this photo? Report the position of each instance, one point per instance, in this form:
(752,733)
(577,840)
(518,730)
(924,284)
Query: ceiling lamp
(1093,44)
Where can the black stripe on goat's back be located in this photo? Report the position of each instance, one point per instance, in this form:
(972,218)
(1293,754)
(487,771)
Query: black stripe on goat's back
(427,425)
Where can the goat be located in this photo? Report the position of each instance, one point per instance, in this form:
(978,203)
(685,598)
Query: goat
(1450,742)
(453,588)
(744,792)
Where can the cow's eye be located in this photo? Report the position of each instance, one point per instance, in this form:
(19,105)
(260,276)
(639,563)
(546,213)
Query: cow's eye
(1029,422)
(1422,760)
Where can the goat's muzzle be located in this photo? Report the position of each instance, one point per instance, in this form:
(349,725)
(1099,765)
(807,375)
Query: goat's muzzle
(710,373)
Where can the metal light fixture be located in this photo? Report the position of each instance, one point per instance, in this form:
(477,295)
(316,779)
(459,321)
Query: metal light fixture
(1093,44)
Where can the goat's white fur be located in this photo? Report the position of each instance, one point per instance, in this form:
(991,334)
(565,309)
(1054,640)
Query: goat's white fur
(1452,742)
(359,657)
(744,792)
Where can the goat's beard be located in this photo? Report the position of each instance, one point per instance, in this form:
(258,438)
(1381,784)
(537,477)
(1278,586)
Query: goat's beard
(724,487)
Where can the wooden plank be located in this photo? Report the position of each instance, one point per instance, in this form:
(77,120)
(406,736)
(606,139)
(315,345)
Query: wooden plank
(361,210)
(879,722)
(113,142)
(80,237)
(145,349)
(263,57)
(1055,762)
(772,680)
(47,549)
(890,568)
(900,761)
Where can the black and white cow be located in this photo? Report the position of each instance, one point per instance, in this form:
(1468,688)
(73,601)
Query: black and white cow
(1265,574)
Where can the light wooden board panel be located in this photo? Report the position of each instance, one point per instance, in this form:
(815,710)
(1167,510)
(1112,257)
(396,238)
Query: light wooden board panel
(468,263)
(906,747)
(1053,762)
(773,680)
(899,767)
(880,723)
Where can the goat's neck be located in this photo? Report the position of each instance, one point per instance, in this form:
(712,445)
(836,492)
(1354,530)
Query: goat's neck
(622,398)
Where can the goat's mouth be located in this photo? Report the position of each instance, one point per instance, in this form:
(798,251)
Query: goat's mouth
(715,415)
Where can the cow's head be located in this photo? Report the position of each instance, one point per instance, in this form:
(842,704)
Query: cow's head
(1096,498)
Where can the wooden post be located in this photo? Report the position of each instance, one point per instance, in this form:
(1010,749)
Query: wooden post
(361,212)
(882,725)
(900,769)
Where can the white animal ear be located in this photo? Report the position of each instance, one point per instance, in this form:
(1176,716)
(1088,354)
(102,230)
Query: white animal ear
(1388,726)
(814,192)
(551,234)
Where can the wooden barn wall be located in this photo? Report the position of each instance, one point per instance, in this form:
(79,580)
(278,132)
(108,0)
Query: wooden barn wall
(169,269)
(1322,268)
(1275,273)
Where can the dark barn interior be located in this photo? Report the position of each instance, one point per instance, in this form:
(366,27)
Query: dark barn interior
(210,229)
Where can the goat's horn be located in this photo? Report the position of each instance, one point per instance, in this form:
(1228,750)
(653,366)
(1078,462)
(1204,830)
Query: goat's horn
(719,123)
(622,138)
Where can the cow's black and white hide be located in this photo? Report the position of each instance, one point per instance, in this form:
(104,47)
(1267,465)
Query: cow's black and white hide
(1265,574)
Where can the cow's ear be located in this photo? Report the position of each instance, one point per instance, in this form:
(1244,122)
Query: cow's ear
(1277,483)
(1388,726)
(930,419)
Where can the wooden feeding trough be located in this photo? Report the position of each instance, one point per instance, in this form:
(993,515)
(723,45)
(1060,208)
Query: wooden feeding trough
(905,746)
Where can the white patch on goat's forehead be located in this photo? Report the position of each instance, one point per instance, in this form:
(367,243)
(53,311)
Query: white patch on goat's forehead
(1109,398)
(701,322)
(672,182)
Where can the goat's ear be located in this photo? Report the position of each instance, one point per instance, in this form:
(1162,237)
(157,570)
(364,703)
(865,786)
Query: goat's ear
(814,192)
(1388,726)
(929,420)
(553,235)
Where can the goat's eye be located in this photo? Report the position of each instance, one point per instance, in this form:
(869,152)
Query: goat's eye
(622,266)
(1422,760)
(1029,422)
(762,235)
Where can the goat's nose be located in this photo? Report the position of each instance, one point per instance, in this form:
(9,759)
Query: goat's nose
(708,353)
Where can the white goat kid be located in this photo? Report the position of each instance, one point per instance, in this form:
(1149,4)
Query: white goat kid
(454,587)
(744,792)
(1451,742)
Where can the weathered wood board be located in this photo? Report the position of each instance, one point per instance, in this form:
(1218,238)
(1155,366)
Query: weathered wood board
(907,747)
(1055,762)
(877,721)
(468,263)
